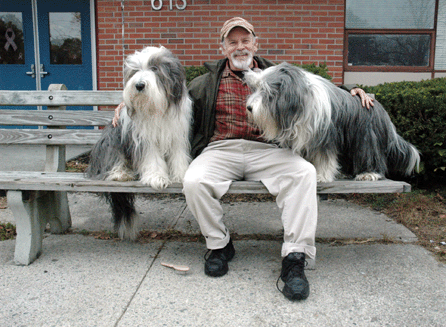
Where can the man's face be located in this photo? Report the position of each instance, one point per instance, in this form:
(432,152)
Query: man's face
(239,47)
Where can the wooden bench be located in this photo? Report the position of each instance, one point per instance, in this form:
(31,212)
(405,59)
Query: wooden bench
(40,197)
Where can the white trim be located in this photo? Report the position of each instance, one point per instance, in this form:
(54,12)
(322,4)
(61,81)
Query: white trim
(93,49)
(36,44)
(93,45)
(35,19)
(375,78)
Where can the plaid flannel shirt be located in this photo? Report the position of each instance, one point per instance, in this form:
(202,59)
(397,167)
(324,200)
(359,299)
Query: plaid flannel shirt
(232,120)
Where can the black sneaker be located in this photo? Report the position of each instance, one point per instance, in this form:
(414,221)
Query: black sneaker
(293,275)
(216,264)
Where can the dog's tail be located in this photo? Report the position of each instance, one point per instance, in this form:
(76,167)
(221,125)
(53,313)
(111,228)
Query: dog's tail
(125,218)
(402,156)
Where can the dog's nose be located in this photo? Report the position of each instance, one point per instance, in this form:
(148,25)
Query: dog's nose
(249,108)
(140,86)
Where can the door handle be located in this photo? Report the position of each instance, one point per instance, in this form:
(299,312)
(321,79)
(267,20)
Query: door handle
(42,71)
(32,73)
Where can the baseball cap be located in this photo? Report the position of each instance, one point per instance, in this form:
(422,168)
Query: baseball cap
(235,22)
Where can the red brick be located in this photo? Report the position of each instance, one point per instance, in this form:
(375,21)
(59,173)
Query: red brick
(304,31)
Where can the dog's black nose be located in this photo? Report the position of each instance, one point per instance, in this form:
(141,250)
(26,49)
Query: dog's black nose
(140,86)
(249,108)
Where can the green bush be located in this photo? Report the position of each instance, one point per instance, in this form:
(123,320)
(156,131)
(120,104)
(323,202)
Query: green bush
(418,110)
(194,71)
(321,70)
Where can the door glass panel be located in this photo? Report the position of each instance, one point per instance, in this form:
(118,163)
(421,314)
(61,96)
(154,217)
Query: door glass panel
(12,45)
(65,38)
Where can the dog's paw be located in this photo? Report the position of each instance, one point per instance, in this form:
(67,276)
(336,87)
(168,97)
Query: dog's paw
(178,175)
(156,182)
(129,231)
(121,175)
(368,177)
(177,179)
(324,179)
(178,167)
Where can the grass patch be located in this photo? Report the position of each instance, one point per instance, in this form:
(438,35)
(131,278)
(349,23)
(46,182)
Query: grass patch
(421,211)
(7,231)
(78,164)
(76,167)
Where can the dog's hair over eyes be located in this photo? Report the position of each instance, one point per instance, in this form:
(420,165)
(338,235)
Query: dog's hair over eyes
(170,73)
(277,88)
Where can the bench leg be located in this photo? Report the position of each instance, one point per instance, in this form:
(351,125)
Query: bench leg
(28,244)
(32,210)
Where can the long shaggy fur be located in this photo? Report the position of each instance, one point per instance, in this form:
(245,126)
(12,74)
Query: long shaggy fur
(151,143)
(327,126)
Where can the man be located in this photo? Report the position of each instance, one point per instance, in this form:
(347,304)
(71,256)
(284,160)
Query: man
(227,146)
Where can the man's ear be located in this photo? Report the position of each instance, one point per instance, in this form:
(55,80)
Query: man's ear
(222,48)
(256,45)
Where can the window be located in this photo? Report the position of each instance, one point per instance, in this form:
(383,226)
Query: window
(12,45)
(65,38)
(383,35)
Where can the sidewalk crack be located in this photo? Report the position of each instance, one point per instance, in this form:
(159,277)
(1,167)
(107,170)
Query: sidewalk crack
(124,311)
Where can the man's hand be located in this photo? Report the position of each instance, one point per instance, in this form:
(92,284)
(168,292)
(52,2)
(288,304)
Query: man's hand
(118,112)
(365,99)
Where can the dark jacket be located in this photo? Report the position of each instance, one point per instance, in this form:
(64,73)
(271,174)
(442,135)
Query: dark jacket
(203,92)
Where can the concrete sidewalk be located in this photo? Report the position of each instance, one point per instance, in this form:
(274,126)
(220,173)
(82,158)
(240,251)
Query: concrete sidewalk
(83,281)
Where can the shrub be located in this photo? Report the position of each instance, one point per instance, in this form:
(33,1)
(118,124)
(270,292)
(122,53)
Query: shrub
(194,71)
(321,70)
(418,110)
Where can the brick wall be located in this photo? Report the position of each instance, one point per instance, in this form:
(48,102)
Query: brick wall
(306,31)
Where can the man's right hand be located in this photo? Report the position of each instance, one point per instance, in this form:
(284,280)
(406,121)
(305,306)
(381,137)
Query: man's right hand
(117,113)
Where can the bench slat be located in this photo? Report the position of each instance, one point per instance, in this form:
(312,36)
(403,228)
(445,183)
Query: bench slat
(60,98)
(50,136)
(55,117)
(21,180)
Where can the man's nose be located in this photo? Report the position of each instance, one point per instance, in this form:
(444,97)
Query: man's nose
(240,46)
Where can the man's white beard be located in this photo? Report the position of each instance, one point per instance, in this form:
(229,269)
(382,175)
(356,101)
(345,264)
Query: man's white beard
(242,64)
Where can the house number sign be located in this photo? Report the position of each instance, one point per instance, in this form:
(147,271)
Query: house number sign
(158,4)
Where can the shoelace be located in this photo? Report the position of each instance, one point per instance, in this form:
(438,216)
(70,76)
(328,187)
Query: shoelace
(209,253)
(206,254)
(294,268)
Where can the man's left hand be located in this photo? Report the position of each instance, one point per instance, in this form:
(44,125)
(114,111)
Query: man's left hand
(366,100)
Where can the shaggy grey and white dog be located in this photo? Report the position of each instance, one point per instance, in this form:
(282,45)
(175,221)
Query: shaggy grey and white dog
(151,142)
(327,126)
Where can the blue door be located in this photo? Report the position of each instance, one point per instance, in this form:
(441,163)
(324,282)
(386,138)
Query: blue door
(44,42)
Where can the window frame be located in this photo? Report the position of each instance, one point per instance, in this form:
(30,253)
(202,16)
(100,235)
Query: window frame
(427,68)
(431,32)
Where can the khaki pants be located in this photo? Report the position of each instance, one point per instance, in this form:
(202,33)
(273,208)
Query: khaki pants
(287,176)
